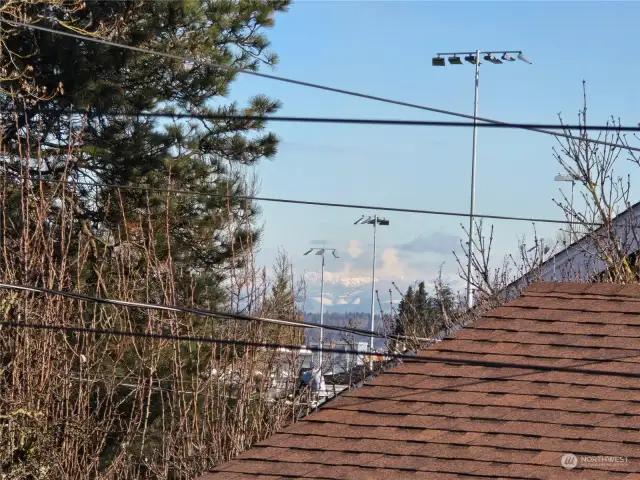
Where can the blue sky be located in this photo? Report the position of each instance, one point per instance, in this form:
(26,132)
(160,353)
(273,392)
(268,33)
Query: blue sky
(385,49)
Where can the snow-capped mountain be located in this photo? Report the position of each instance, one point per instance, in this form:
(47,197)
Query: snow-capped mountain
(337,278)
(344,293)
(347,294)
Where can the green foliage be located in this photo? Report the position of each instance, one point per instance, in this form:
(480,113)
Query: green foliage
(281,303)
(423,315)
(208,235)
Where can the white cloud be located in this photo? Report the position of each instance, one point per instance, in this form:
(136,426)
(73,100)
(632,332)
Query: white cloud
(389,266)
(438,242)
(392,266)
(355,248)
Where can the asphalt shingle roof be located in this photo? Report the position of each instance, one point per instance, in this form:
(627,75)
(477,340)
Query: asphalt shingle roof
(561,375)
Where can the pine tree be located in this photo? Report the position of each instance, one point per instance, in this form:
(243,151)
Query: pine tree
(422,315)
(406,313)
(422,306)
(51,76)
(282,303)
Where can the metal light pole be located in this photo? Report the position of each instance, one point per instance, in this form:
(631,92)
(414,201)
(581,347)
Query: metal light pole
(572,179)
(474,58)
(373,287)
(321,252)
(375,221)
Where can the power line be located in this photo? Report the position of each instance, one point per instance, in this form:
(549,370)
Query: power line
(201,312)
(302,202)
(273,346)
(300,82)
(356,121)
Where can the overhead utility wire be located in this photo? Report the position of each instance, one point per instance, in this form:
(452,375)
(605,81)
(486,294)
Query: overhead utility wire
(356,121)
(272,346)
(200,312)
(300,82)
(303,202)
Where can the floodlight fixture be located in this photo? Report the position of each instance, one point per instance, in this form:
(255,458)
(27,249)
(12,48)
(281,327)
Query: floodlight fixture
(507,58)
(471,59)
(321,251)
(372,220)
(493,59)
(543,248)
(437,61)
(565,178)
(523,58)
(455,60)
(364,221)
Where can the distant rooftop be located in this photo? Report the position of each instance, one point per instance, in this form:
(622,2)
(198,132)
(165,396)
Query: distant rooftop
(580,261)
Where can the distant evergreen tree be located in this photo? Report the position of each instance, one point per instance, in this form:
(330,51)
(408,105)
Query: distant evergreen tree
(422,304)
(446,305)
(421,315)
(406,311)
(281,304)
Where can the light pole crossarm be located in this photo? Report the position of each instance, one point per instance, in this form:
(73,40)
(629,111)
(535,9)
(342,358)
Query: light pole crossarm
(473,52)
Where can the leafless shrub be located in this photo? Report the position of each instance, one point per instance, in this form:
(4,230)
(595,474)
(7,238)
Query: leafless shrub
(491,283)
(86,405)
(605,195)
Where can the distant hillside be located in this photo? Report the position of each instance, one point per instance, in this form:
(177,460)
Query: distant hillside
(359,320)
